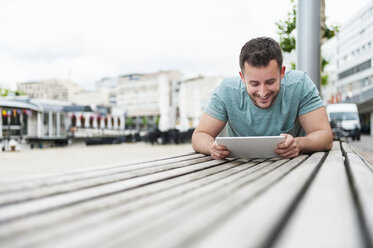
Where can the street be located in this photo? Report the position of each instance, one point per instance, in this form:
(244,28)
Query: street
(364,147)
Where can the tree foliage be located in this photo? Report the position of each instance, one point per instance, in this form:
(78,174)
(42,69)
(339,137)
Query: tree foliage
(6,92)
(285,29)
(286,32)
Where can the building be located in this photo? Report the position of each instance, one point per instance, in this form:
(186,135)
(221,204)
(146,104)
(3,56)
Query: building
(355,54)
(46,122)
(101,96)
(34,120)
(350,70)
(109,85)
(17,118)
(86,121)
(354,63)
(107,82)
(193,97)
(329,92)
(61,90)
(146,98)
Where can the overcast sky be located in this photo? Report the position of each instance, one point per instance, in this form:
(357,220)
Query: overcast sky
(85,40)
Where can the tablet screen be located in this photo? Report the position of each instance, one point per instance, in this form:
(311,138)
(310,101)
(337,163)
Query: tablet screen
(252,146)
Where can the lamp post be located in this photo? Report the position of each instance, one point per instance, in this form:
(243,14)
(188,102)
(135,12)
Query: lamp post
(308,39)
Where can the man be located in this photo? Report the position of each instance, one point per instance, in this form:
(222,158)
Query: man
(265,101)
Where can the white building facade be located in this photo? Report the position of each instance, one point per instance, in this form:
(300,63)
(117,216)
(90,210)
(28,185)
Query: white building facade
(355,64)
(329,52)
(350,68)
(94,97)
(61,90)
(146,98)
(193,98)
(355,53)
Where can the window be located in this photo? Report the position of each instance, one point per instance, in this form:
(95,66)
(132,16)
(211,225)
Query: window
(361,67)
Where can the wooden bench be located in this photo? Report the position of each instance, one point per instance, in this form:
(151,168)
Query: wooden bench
(321,200)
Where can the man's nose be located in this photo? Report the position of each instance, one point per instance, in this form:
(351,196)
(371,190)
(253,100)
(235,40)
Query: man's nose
(262,90)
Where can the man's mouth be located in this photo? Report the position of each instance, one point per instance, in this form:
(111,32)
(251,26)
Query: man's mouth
(263,99)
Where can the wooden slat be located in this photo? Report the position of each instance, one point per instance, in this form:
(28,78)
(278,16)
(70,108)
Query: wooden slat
(195,201)
(109,201)
(109,224)
(326,217)
(39,177)
(362,178)
(33,182)
(83,183)
(71,197)
(191,224)
(348,149)
(256,224)
(336,146)
(42,222)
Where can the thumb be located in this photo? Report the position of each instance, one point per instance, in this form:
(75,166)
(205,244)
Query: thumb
(285,142)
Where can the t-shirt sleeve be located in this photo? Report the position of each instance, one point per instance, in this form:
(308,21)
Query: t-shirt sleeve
(310,97)
(216,107)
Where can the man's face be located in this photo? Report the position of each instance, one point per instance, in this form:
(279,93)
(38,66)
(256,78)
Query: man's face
(263,83)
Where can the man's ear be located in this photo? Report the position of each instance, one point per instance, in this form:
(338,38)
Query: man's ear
(241,75)
(283,72)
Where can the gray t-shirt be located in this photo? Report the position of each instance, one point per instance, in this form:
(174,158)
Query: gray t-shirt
(231,103)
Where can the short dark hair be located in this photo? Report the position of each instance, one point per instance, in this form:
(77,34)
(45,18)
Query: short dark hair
(260,51)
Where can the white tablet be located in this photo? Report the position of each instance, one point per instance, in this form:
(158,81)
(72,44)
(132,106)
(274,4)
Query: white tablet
(252,146)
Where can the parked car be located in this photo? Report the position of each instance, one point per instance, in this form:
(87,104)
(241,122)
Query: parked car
(344,120)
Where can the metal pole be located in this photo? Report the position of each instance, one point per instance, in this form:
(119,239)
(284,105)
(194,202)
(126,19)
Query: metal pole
(308,39)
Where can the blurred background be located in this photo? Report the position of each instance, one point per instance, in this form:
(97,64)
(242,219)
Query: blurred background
(80,73)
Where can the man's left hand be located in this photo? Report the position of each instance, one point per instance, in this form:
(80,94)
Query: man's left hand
(288,148)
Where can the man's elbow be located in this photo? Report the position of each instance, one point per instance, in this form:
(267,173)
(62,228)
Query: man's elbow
(194,141)
(329,141)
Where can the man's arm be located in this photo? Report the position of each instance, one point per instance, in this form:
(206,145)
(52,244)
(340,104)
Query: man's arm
(203,139)
(319,136)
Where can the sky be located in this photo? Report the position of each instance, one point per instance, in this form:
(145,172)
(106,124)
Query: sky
(86,40)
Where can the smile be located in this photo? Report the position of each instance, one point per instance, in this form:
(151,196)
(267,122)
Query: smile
(264,99)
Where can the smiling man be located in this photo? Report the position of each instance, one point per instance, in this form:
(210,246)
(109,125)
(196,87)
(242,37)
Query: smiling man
(265,101)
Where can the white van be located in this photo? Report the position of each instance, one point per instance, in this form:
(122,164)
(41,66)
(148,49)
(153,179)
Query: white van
(344,120)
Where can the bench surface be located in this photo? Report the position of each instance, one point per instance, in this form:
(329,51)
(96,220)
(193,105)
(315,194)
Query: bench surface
(318,200)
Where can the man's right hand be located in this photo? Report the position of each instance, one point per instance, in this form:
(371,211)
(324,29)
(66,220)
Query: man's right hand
(218,151)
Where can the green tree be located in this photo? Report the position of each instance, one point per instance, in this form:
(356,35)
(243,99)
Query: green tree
(129,122)
(286,32)
(6,92)
(144,121)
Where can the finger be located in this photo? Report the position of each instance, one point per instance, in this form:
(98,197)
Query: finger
(289,140)
(214,154)
(283,151)
(217,156)
(290,154)
(220,147)
(282,144)
(222,152)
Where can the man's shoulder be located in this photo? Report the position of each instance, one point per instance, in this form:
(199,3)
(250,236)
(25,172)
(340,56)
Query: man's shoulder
(297,80)
(294,77)
(229,85)
(231,82)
